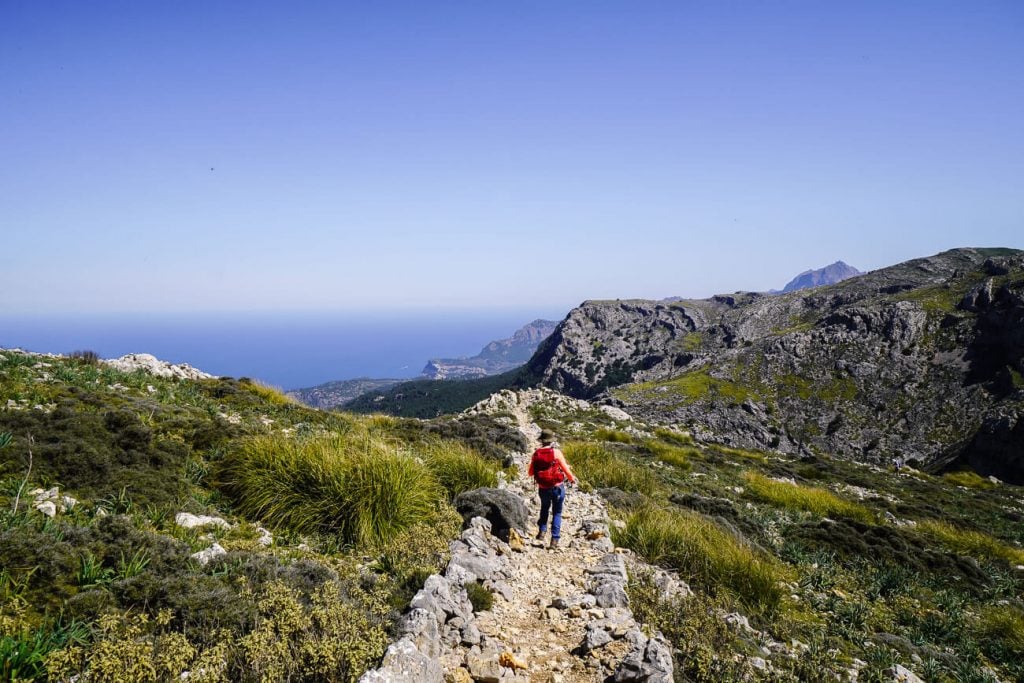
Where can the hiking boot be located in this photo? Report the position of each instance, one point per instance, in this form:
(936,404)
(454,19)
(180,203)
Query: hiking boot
(540,535)
(554,544)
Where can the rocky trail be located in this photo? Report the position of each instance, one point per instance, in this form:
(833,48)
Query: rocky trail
(558,616)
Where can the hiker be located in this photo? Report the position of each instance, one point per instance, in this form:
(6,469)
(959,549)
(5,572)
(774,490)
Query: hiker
(550,470)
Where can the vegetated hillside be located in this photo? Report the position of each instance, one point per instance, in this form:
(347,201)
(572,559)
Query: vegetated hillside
(829,275)
(336,394)
(923,360)
(496,358)
(103,575)
(427,398)
(807,567)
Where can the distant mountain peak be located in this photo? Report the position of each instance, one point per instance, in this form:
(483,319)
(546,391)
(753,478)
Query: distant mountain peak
(829,275)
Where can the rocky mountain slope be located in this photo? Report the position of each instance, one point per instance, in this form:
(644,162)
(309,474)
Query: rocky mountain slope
(923,360)
(396,395)
(829,275)
(495,358)
(334,394)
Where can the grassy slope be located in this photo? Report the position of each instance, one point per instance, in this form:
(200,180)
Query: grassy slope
(109,585)
(851,560)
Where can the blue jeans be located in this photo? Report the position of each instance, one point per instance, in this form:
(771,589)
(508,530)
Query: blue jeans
(551,499)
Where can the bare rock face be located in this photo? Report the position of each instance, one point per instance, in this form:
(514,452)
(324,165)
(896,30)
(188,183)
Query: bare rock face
(145,362)
(922,360)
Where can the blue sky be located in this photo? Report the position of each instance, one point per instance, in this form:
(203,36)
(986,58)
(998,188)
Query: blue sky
(176,156)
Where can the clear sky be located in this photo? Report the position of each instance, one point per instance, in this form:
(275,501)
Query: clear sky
(174,156)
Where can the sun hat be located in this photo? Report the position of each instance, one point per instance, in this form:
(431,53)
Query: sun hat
(546,436)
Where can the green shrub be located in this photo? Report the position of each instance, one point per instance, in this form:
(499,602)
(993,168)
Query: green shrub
(702,551)
(481,598)
(967,542)
(458,468)
(613,435)
(598,467)
(365,490)
(968,479)
(795,497)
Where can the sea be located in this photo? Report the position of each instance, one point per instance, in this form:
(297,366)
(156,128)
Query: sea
(285,350)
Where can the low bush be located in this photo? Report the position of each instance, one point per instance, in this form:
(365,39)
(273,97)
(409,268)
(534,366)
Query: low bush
(600,468)
(795,497)
(704,552)
(968,542)
(481,598)
(364,490)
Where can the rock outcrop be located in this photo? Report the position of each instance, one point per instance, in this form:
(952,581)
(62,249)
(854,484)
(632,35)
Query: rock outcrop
(134,362)
(923,360)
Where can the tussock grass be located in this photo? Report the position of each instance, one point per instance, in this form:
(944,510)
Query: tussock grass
(613,435)
(271,395)
(677,456)
(674,437)
(364,490)
(967,542)
(706,554)
(971,480)
(600,468)
(459,468)
(737,452)
(1003,626)
(808,498)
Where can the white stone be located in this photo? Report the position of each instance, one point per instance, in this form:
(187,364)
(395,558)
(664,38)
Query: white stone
(47,507)
(211,553)
(190,521)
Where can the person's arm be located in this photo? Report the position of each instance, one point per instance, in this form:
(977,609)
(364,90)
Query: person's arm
(564,464)
(529,468)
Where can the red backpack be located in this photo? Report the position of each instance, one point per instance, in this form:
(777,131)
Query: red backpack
(546,470)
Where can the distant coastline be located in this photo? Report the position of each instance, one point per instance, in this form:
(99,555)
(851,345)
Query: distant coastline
(287,350)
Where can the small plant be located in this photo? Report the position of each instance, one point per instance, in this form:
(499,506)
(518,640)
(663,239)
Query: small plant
(133,566)
(85,357)
(119,503)
(481,598)
(92,573)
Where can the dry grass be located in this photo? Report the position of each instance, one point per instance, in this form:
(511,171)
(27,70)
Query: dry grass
(706,554)
(968,479)
(972,543)
(364,490)
(599,467)
(807,498)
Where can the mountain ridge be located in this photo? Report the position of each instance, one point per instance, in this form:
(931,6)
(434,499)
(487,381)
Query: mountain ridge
(827,275)
(816,369)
